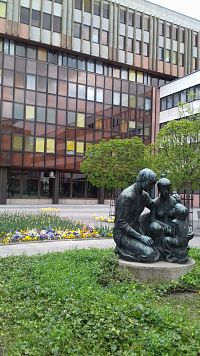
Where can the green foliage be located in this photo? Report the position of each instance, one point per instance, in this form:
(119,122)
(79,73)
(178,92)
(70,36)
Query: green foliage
(109,272)
(114,163)
(54,305)
(178,153)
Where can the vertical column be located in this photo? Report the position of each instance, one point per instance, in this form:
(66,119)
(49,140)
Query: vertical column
(3,185)
(56,188)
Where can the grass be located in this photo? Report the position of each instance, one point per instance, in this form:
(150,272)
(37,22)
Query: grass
(81,303)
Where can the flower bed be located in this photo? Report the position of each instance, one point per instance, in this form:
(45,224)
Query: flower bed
(16,227)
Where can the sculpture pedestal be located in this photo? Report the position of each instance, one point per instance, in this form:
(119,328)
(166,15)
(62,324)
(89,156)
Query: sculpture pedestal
(158,272)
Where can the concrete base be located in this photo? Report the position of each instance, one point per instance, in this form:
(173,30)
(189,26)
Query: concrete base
(158,272)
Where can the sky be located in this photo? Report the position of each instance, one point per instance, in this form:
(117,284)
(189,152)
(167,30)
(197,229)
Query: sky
(186,7)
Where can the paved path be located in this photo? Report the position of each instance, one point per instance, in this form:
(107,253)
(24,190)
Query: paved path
(34,248)
(83,213)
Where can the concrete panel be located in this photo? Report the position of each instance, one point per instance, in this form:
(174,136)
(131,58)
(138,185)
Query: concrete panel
(168,43)
(122,29)
(96,21)
(105,24)
(87,18)
(77,15)
(183,83)
(35,33)
(45,36)
(56,39)
(138,34)
(76,44)
(95,49)
(25,3)
(86,47)
(57,10)
(130,31)
(47,6)
(104,51)
(36,5)
(121,56)
(129,58)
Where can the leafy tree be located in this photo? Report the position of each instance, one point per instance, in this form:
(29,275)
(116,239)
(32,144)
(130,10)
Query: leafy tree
(114,163)
(177,153)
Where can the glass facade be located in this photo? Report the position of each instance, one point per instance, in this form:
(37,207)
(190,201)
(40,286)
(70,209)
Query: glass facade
(51,112)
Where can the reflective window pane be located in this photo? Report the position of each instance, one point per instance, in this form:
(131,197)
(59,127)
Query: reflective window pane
(24,15)
(30,81)
(46,22)
(36,18)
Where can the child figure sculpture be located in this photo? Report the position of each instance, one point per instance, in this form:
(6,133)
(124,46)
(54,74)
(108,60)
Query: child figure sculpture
(180,236)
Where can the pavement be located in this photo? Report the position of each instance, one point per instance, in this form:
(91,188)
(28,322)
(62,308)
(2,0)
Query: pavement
(83,213)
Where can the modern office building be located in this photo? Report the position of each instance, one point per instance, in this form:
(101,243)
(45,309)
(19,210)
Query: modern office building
(73,72)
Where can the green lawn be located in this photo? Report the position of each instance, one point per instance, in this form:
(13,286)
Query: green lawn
(79,303)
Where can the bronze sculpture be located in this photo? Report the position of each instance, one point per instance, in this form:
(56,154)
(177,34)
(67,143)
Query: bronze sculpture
(162,234)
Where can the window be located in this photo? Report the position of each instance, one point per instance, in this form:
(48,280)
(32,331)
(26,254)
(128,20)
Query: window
(72,90)
(51,116)
(78,4)
(87,5)
(2,9)
(77,30)
(20,49)
(130,45)
(146,23)
(175,33)
(30,82)
(169,101)
(140,77)
(132,76)
(50,145)
(182,35)
(124,74)
(161,54)
(182,59)
(81,91)
(99,95)
(25,15)
(122,16)
(175,57)
(41,83)
(95,35)
(86,32)
(176,99)
(80,120)
(138,19)
(106,10)
(17,143)
(138,47)
(146,49)
(42,54)
(18,111)
(36,18)
(167,56)
(52,57)
(71,118)
(46,22)
(131,19)
(163,104)
(39,145)
(31,52)
(122,43)
(41,114)
(29,143)
(97,8)
(79,147)
(168,31)
(90,93)
(30,112)
(57,24)
(104,38)
(8,77)
(52,86)
(99,68)
(195,40)
(116,98)
(72,63)
(90,66)
(19,80)
(161,28)
(70,147)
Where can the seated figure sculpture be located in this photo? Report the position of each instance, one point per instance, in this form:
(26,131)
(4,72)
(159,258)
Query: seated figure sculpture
(173,246)
(131,243)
